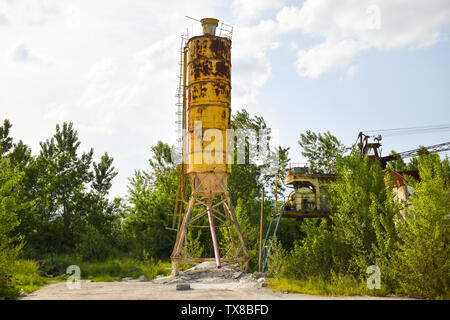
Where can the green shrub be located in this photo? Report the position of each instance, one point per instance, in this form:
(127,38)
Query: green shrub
(26,276)
(319,254)
(340,285)
(10,244)
(94,246)
(115,269)
(422,264)
(277,259)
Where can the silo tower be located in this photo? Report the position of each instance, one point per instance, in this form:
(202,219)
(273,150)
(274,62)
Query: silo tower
(207,156)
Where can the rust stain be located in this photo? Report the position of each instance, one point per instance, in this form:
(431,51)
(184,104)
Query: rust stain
(203,91)
(219,48)
(222,69)
(221,89)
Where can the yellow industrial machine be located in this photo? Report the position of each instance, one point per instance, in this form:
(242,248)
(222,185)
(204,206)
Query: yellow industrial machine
(207,65)
(308,199)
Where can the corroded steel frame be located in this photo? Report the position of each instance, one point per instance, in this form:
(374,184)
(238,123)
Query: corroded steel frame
(236,253)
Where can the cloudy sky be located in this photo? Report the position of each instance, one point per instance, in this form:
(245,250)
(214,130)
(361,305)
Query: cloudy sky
(110,67)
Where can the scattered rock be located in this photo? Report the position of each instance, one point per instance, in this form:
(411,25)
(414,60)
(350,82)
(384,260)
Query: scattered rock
(142,278)
(207,272)
(183,286)
(22,293)
(57,269)
(127,279)
(263,284)
(42,273)
(260,275)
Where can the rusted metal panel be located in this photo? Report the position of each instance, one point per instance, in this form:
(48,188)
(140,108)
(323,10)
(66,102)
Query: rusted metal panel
(203,69)
(211,117)
(209,47)
(209,92)
(209,100)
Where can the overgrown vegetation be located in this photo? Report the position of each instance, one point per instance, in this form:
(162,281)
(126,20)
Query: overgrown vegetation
(55,207)
(421,263)
(111,269)
(55,211)
(408,243)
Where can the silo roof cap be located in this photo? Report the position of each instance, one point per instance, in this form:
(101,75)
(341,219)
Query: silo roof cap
(210,20)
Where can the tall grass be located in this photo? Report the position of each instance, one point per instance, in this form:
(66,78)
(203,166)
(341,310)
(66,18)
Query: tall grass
(26,276)
(114,269)
(338,286)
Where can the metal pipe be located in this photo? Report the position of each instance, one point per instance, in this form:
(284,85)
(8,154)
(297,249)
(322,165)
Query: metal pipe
(214,238)
(261,230)
(271,243)
(276,193)
(268,232)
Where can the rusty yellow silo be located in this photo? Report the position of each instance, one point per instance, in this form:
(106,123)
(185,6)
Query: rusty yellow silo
(209,101)
(207,63)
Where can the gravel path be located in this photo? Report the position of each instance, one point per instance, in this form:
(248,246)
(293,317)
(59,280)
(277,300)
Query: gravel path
(206,283)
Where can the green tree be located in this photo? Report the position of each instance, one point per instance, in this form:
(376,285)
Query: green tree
(364,212)
(321,150)
(422,263)
(102,236)
(151,195)
(247,179)
(61,184)
(319,254)
(5,139)
(10,243)
(103,175)
(398,164)
(19,157)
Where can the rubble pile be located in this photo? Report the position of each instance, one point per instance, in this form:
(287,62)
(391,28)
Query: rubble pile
(207,272)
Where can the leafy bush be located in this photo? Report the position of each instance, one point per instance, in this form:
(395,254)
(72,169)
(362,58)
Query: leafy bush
(364,211)
(10,245)
(115,268)
(277,260)
(26,276)
(319,254)
(94,246)
(422,263)
(316,285)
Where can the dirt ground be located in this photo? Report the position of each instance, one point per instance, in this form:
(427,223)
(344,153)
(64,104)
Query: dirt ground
(206,283)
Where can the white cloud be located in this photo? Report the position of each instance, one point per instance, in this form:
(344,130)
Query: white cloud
(320,59)
(23,54)
(352,70)
(3,19)
(31,12)
(350,26)
(131,93)
(247,10)
(251,66)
